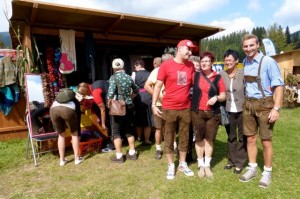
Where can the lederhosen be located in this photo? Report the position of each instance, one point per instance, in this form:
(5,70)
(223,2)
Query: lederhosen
(266,102)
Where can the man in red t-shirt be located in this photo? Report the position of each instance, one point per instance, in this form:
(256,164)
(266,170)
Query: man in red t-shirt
(176,74)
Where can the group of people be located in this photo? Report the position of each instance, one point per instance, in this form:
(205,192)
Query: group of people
(252,97)
(185,93)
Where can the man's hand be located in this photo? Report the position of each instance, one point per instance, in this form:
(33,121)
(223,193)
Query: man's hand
(156,111)
(273,116)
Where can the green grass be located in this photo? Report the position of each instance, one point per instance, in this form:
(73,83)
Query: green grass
(96,177)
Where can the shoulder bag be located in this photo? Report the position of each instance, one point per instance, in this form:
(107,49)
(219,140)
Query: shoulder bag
(224,115)
(117,106)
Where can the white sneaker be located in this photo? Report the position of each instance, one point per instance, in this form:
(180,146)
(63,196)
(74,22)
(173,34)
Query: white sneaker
(79,160)
(171,172)
(249,175)
(63,162)
(266,179)
(183,167)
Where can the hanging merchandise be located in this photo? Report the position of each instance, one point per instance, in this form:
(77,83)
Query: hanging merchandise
(68,57)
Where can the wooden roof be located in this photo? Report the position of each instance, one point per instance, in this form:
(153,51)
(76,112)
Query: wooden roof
(48,18)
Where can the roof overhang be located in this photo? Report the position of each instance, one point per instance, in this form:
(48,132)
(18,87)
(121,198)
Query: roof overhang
(48,18)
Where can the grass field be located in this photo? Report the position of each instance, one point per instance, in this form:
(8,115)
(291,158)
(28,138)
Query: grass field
(97,177)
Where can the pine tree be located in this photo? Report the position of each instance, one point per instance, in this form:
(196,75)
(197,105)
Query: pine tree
(288,35)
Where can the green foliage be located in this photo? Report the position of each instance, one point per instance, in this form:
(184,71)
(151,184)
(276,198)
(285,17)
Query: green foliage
(219,45)
(2,45)
(233,41)
(288,35)
(276,34)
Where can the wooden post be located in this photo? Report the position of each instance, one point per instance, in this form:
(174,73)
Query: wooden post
(27,47)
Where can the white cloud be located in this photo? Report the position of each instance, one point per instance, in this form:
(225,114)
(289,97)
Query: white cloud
(168,9)
(288,15)
(238,24)
(254,5)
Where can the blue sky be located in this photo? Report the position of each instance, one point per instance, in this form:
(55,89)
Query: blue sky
(233,15)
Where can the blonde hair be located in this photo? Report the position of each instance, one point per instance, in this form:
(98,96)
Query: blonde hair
(250,36)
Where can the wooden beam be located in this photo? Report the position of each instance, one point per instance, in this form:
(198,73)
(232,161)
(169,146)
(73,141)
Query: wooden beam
(114,24)
(170,29)
(80,34)
(34,10)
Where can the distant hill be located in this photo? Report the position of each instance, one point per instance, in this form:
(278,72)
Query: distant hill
(5,38)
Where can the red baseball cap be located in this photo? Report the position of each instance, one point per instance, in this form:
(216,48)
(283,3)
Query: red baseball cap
(188,43)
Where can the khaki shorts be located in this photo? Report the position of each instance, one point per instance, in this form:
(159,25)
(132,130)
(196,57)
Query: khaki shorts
(255,117)
(63,116)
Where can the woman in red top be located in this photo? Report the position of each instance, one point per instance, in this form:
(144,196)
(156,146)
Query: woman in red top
(208,92)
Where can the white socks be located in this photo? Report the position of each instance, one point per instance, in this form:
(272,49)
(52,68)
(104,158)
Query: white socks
(204,162)
(158,147)
(253,165)
(268,169)
(119,155)
(131,151)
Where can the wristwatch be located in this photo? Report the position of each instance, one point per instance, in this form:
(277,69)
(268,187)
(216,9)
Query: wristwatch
(276,108)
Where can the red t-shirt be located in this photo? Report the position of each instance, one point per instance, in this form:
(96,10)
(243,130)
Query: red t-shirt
(204,87)
(177,79)
(97,93)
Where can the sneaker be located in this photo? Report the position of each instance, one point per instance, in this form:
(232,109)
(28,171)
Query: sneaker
(201,172)
(171,172)
(183,167)
(63,162)
(131,157)
(208,172)
(250,174)
(79,160)
(158,154)
(114,159)
(107,150)
(266,179)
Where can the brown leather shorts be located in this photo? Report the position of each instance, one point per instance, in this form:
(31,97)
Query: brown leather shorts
(255,117)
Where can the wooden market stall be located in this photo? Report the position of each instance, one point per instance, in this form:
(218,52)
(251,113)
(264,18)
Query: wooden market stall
(111,34)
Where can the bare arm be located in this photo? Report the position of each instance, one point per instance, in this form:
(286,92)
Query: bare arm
(149,87)
(278,95)
(221,98)
(155,97)
(103,115)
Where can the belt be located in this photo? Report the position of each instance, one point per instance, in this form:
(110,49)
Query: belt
(258,99)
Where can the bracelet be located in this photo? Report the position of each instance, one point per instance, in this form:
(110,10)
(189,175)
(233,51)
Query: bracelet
(217,97)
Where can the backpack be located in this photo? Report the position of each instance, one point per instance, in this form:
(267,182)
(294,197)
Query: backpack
(65,95)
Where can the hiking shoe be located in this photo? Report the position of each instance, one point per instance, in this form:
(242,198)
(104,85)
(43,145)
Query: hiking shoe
(63,162)
(250,174)
(183,167)
(79,160)
(120,160)
(266,179)
(208,172)
(158,154)
(171,172)
(201,172)
(131,157)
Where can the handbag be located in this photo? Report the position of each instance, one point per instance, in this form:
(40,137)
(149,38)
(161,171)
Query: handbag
(224,116)
(117,107)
